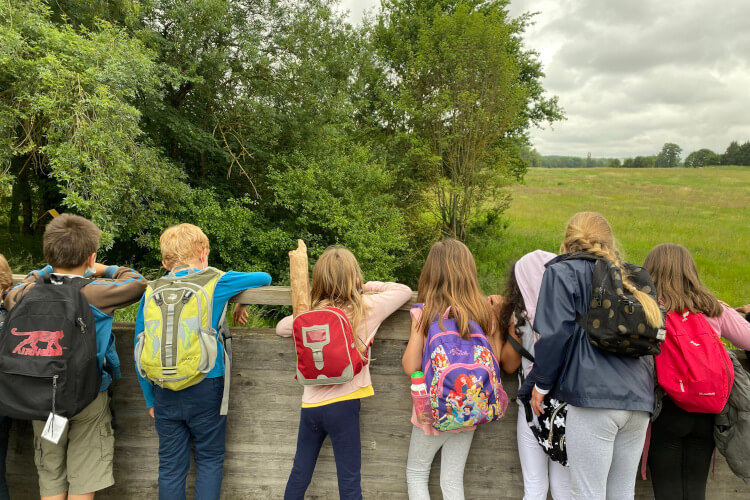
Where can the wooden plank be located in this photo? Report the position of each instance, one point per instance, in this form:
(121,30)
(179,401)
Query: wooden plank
(263,295)
(262,432)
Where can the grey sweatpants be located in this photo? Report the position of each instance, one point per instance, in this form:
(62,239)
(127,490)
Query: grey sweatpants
(604,448)
(422,450)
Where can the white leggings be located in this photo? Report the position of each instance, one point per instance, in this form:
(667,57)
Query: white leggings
(540,473)
(604,447)
(422,450)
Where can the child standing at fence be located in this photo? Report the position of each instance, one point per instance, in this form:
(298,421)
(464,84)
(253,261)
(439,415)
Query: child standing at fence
(80,463)
(172,313)
(449,296)
(540,472)
(682,441)
(609,395)
(333,410)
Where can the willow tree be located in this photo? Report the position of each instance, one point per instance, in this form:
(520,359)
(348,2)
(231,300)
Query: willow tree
(466,92)
(71,138)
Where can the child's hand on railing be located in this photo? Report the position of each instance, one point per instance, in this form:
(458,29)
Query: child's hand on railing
(240,314)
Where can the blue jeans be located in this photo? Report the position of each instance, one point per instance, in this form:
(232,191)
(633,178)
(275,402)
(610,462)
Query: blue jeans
(182,418)
(339,421)
(4,432)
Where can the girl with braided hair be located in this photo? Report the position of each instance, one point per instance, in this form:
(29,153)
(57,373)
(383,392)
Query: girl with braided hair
(609,396)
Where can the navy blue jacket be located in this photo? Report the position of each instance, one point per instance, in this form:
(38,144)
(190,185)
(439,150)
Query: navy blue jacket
(567,363)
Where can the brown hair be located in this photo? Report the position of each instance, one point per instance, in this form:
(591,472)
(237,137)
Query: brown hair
(6,276)
(337,281)
(677,283)
(590,232)
(449,280)
(69,240)
(513,304)
(182,243)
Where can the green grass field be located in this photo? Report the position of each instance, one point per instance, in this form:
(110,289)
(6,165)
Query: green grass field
(706,210)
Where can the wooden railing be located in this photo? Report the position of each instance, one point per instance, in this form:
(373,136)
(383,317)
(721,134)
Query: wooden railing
(263,420)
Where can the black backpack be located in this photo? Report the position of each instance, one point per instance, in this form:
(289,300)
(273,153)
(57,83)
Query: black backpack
(549,429)
(616,321)
(48,352)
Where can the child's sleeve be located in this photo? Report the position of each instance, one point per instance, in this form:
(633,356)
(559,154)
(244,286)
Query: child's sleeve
(234,282)
(284,327)
(120,287)
(732,326)
(383,299)
(146,387)
(14,294)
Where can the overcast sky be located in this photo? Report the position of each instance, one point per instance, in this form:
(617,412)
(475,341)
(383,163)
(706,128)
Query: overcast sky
(634,74)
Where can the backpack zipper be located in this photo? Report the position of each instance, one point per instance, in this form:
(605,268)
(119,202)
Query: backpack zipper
(54,392)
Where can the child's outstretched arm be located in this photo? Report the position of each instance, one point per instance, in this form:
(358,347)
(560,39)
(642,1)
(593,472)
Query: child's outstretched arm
(412,358)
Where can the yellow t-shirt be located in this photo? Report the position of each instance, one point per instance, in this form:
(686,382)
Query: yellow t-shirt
(358,394)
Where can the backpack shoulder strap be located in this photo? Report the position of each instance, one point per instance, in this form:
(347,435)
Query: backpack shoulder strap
(520,349)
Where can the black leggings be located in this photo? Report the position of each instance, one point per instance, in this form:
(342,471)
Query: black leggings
(679,456)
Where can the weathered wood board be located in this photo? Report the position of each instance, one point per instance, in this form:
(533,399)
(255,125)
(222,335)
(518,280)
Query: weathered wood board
(264,414)
(262,433)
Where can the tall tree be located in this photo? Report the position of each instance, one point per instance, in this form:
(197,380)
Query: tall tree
(71,133)
(669,156)
(702,158)
(465,91)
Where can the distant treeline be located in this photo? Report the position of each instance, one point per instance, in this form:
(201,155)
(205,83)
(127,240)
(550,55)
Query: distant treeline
(669,157)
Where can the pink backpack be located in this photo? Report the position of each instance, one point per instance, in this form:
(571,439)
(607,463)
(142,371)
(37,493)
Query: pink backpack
(693,368)
(326,347)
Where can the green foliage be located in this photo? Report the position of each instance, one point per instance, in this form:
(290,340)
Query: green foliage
(66,115)
(702,158)
(669,156)
(264,121)
(345,199)
(465,91)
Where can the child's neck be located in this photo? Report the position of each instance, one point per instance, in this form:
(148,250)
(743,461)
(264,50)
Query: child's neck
(76,271)
(191,264)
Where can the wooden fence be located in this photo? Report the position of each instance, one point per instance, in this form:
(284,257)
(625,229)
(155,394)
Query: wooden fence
(263,420)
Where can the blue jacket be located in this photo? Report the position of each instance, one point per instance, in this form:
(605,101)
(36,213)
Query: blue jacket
(567,363)
(228,286)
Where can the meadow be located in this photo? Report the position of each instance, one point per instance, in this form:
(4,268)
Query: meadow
(707,210)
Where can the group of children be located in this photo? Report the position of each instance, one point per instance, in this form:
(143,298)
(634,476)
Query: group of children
(610,398)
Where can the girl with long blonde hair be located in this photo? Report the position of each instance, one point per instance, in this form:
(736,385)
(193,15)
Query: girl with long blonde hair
(448,288)
(333,410)
(682,442)
(609,396)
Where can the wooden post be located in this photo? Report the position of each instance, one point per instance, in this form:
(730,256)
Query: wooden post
(299,280)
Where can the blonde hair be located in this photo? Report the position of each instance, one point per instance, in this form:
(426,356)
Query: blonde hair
(337,282)
(590,232)
(182,243)
(677,283)
(449,280)
(6,276)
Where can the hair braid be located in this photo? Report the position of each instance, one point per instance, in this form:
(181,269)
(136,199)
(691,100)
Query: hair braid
(590,232)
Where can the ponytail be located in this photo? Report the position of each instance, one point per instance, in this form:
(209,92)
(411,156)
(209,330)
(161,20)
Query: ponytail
(590,232)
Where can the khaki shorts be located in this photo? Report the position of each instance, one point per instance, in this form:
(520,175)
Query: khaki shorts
(82,461)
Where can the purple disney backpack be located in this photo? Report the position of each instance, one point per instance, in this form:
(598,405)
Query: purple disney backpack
(464,377)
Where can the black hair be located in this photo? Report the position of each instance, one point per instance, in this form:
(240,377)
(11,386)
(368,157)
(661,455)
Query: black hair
(513,304)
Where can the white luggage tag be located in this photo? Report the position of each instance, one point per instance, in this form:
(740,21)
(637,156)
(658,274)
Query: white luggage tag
(54,428)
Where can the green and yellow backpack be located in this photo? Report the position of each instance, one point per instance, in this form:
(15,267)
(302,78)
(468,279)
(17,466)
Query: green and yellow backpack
(178,345)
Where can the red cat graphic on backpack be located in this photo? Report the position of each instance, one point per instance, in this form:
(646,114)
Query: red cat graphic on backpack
(52,339)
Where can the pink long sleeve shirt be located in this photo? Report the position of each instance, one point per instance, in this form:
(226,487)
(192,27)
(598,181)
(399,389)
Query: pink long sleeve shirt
(732,326)
(381,300)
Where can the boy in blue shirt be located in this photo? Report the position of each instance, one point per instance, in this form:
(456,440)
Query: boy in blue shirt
(192,415)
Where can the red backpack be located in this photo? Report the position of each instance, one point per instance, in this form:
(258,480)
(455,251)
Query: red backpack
(693,368)
(326,348)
